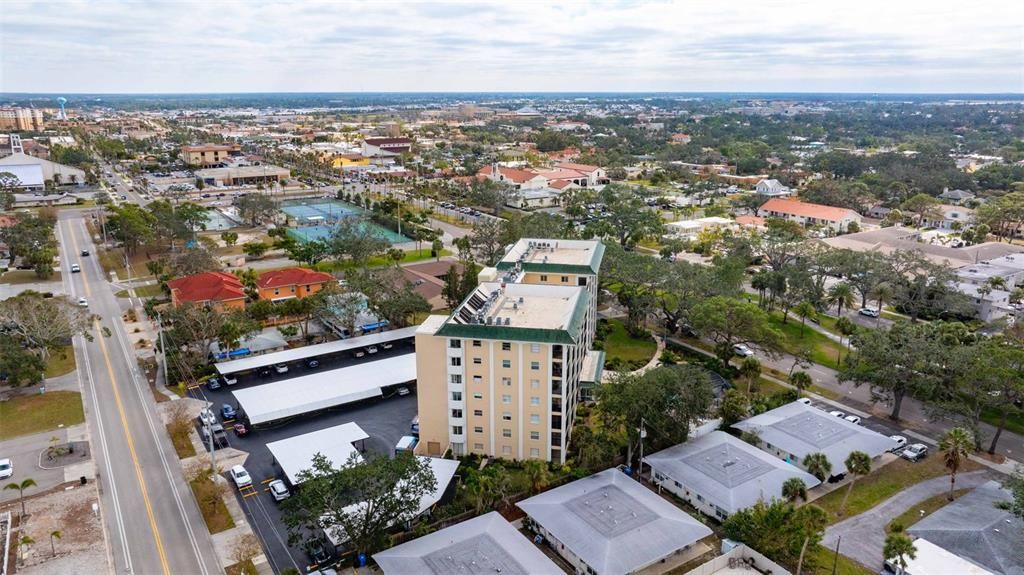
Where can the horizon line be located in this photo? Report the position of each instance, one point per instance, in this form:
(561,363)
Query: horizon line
(524,92)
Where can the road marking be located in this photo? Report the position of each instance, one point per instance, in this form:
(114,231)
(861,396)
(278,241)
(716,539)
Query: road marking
(266,481)
(127,432)
(251,494)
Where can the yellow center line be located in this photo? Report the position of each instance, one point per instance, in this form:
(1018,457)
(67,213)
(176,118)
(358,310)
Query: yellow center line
(124,424)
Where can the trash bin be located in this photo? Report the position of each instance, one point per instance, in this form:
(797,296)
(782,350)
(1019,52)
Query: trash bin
(82,480)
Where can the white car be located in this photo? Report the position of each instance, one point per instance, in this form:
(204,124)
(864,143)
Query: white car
(75,268)
(869,311)
(852,419)
(901,442)
(230,379)
(281,368)
(6,468)
(278,490)
(742,350)
(240,476)
(82,302)
(838,414)
(804,400)
(386,345)
(915,452)
(371,350)
(206,417)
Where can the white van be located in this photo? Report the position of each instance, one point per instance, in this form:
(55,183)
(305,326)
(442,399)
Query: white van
(406,443)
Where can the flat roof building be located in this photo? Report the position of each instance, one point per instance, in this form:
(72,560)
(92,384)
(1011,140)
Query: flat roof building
(209,154)
(793,431)
(609,524)
(241,175)
(338,444)
(720,474)
(501,375)
(484,545)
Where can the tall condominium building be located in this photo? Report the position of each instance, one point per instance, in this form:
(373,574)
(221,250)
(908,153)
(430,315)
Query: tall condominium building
(25,119)
(501,376)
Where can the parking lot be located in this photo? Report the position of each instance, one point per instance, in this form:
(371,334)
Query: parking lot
(384,419)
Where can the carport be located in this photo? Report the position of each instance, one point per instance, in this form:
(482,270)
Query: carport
(295,454)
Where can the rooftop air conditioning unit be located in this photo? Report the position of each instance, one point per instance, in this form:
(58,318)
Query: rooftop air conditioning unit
(507,320)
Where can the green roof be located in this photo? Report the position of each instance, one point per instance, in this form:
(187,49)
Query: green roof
(568,336)
(591,268)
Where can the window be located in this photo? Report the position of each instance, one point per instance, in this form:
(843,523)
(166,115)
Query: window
(457,413)
(277,292)
(535,347)
(308,288)
(581,281)
(455,343)
(506,432)
(506,399)
(543,278)
(506,346)
(478,396)
(476,379)
(535,435)
(478,412)
(506,381)
(506,363)
(507,416)
(534,400)
(456,430)
(478,429)
(534,384)
(535,365)
(456,378)
(534,452)
(477,361)
(292,289)
(456,396)
(456,361)
(565,279)
(535,419)
(506,450)
(476,343)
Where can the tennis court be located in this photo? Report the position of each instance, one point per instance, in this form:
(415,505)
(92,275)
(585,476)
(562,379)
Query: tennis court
(315,218)
(219,221)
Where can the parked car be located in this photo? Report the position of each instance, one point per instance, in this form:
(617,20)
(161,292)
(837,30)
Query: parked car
(359,353)
(278,490)
(371,350)
(318,553)
(213,383)
(852,419)
(805,400)
(742,350)
(915,452)
(206,417)
(869,311)
(6,468)
(387,345)
(227,411)
(240,476)
(220,437)
(241,429)
(281,367)
(837,413)
(264,372)
(901,442)
(312,363)
(403,391)
(75,268)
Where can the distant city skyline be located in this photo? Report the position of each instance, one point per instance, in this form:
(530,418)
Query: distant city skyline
(871,46)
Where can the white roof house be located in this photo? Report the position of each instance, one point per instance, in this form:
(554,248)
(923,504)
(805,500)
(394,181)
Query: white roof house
(325,389)
(930,559)
(30,176)
(772,189)
(793,431)
(50,169)
(295,454)
(611,524)
(484,545)
(727,473)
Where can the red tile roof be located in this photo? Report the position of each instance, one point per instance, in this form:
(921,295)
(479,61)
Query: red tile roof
(512,174)
(585,168)
(292,277)
(749,221)
(559,184)
(806,210)
(207,286)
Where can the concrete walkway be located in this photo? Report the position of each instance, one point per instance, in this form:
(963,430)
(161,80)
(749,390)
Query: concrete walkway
(655,361)
(864,535)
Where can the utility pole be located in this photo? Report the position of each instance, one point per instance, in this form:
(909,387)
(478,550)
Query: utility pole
(163,347)
(835,559)
(643,434)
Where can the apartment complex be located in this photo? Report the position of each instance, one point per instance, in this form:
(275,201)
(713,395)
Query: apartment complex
(25,119)
(501,375)
(209,154)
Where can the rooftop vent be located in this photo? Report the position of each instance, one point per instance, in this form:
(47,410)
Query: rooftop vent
(507,320)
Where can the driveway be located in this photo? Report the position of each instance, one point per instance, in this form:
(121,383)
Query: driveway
(864,535)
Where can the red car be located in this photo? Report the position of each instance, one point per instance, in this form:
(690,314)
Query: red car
(241,430)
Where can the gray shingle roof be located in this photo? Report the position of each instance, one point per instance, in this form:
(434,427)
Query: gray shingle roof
(726,471)
(613,523)
(801,430)
(483,545)
(973,528)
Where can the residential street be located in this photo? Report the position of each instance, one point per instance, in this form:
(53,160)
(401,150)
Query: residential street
(863,536)
(152,521)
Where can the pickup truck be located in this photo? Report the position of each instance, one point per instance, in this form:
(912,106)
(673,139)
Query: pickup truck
(220,437)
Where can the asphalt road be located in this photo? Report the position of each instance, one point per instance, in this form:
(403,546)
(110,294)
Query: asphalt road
(152,523)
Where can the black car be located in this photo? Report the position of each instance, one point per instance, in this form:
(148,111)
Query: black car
(318,553)
(85,252)
(264,372)
(313,363)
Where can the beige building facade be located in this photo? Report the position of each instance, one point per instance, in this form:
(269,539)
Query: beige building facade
(24,119)
(501,375)
(209,154)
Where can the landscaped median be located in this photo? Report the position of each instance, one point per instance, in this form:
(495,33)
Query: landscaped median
(210,497)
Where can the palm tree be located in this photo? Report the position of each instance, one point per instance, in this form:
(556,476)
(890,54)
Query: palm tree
(881,293)
(750,370)
(956,446)
(841,295)
(818,465)
(24,541)
(21,487)
(794,489)
(804,309)
(810,521)
(846,328)
(54,535)
(858,464)
(899,547)
(801,380)
(538,474)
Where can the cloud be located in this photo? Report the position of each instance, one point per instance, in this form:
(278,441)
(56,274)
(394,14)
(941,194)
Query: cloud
(680,45)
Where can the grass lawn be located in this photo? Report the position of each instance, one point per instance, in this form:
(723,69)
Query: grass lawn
(211,504)
(928,506)
(820,561)
(15,277)
(61,361)
(378,261)
(182,443)
(883,483)
(1014,424)
(242,568)
(40,412)
(146,291)
(625,348)
(794,337)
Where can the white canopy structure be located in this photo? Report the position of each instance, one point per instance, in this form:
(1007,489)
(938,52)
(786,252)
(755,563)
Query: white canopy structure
(295,454)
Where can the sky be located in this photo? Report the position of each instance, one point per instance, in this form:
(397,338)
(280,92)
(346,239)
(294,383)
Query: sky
(902,46)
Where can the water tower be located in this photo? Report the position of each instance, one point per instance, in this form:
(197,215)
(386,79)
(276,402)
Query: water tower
(60,102)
